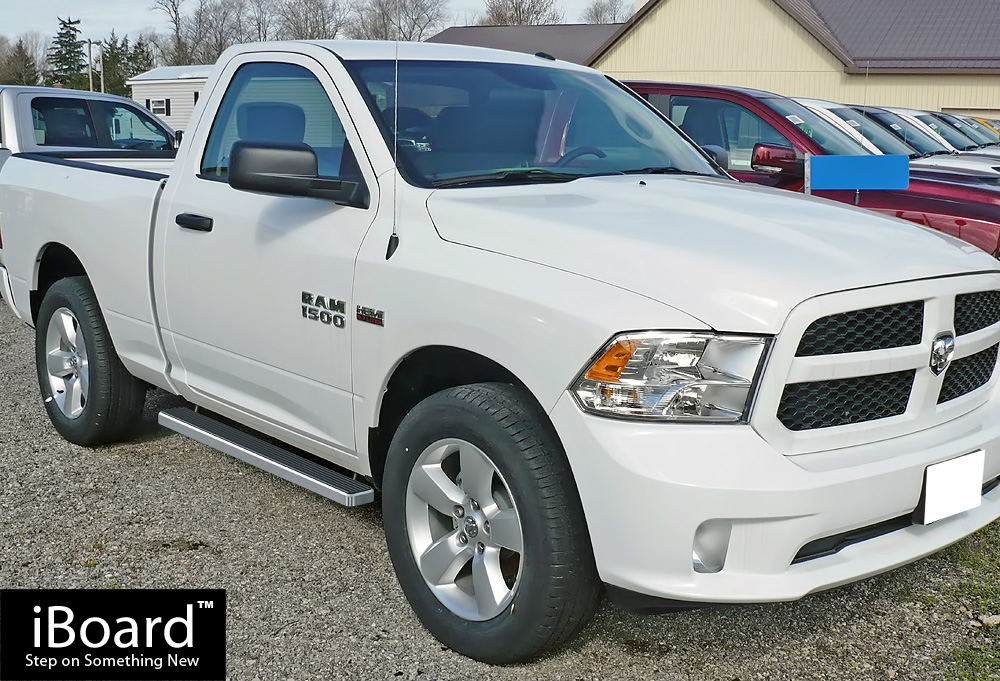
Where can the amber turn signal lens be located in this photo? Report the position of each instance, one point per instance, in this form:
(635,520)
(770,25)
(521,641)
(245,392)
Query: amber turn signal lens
(611,364)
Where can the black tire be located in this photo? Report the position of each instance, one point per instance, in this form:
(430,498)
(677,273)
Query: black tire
(115,398)
(559,589)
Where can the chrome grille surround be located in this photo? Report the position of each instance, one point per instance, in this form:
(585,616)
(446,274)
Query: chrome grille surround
(922,411)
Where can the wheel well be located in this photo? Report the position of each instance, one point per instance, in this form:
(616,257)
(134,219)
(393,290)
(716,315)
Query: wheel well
(421,374)
(56,262)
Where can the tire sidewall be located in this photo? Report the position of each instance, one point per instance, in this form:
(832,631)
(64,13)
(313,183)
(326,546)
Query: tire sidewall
(436,419)
(75,295)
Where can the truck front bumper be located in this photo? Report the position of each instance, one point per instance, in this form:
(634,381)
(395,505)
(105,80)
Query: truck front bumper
(668,504)
(6,292)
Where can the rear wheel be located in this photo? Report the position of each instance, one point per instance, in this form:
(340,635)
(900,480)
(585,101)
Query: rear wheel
(485,527)
(90,397)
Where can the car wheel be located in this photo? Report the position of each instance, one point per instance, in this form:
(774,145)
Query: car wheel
(89,395)
(485,527)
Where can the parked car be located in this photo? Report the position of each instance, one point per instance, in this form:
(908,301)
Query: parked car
(947,133)
(569,349)
(763,138)
(881,140)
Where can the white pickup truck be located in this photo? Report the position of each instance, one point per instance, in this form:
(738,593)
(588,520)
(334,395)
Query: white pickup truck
(571,352)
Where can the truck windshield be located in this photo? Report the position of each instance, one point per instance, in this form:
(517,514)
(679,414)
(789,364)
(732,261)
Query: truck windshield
(886,142)
(822,132)
(464,123)
(906,131)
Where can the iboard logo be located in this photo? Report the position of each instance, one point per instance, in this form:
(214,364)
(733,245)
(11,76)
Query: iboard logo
(112,634)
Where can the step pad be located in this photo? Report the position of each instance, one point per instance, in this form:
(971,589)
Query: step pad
(257,452)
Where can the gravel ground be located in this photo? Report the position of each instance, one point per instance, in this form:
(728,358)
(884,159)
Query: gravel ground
(311,592)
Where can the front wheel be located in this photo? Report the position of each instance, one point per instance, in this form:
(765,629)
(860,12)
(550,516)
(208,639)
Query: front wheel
(90,397)
(485,527)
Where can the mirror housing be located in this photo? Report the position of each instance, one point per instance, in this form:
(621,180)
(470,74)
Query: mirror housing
(289,170)
(776,159)
(178,136)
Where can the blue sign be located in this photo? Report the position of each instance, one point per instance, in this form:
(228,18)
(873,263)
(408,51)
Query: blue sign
(860,172)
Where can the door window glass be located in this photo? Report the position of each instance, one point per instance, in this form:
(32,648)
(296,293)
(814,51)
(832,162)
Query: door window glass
(719,123)
(279,103)
(62,122)
(129,128)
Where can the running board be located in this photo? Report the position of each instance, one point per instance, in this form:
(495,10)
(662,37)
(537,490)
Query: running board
(264,455)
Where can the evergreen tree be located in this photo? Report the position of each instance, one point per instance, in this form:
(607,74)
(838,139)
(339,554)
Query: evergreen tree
(66,57)
(21,68)
(140,57)
(115,55)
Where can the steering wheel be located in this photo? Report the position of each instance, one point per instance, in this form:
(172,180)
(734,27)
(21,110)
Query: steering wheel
(574,154)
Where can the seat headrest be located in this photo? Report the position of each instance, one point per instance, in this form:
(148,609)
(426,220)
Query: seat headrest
(271,122)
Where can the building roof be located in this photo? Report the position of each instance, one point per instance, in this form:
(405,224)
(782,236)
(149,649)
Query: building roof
(576,43)
(890,35)
(173,73)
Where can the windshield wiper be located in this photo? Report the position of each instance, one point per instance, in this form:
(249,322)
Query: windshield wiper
(664,170)
(525,176)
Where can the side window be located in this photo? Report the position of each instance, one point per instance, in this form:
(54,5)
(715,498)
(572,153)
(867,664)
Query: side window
(716,122)
(161,107)
(129,128)
(62,122)
(281,103)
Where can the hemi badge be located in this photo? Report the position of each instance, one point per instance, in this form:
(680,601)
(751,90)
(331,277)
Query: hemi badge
(370,315)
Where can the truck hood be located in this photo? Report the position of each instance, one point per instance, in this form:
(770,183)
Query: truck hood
(736,256)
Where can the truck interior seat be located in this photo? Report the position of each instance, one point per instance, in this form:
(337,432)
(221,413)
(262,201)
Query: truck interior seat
(271,122)
(67,128)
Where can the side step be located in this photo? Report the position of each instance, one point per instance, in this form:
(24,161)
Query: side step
(271,458)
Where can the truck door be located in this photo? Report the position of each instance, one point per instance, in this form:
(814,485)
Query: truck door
(257,290)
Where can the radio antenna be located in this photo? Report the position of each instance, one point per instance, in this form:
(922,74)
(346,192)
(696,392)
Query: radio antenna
(394,237)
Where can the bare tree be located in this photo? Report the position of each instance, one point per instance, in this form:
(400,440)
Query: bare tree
(263,20)
(215,26)
(37,44)
(397,19)
(521,12)
(312,19)
(605,12)
(174,50)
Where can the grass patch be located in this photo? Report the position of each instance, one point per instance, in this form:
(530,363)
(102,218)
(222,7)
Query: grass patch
(90,563)
(980,592)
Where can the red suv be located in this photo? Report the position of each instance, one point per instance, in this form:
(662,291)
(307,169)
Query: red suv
(763,138)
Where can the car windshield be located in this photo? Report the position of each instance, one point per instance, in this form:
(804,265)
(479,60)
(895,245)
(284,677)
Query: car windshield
(905,130)
(950,134)
(822,132)
(969,128)
(875,133)
(463,123)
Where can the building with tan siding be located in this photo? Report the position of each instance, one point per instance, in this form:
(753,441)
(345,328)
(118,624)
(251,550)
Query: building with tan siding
(923,54)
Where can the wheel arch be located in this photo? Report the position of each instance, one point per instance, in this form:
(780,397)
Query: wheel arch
(55,261)
(422,373)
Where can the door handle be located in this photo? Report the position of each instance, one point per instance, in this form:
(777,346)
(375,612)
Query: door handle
(198,223)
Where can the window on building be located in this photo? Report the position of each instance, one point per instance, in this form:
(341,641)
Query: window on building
(161,107)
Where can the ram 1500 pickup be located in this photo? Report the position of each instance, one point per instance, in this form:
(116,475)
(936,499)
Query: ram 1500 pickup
(572,353)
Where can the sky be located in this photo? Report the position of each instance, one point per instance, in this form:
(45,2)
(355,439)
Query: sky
(133,16)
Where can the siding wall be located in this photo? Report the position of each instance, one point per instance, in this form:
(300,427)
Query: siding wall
(755,43)
(180,94)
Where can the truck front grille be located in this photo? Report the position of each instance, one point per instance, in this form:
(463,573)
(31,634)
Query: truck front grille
(975,311)
(822,404)
(874,328)
(855,367)
(967,374)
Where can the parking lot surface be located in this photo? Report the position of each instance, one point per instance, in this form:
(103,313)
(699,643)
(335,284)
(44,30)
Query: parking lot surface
(311,592)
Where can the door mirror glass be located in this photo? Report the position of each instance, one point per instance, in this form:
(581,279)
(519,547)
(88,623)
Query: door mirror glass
(288,169)
(776,159)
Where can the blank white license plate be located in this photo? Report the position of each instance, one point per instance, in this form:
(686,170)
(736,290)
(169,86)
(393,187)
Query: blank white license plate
(953,486)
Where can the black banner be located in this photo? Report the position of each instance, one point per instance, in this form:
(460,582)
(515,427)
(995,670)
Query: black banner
(112,634)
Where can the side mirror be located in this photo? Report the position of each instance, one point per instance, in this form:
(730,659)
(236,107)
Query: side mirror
(777,160)
(289,170)
(178,136)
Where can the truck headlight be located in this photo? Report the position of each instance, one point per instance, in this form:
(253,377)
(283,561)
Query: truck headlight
(673,376)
